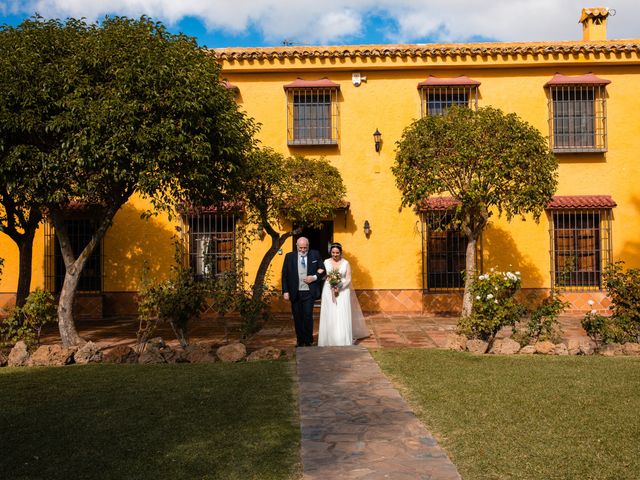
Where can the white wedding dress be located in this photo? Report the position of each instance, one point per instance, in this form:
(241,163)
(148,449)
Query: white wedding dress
(341,319)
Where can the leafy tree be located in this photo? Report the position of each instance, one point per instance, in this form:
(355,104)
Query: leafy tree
(133,109)
(30,93)
(282,192)
(486,160)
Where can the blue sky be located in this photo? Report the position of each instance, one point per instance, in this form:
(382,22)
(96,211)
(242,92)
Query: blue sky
(237,23)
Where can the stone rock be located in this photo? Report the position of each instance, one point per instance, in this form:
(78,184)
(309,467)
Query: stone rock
(560,349)
(611,350)
(456,342)
(156,342)
(169,354)
(477,346)
(631,349)
(581,346)
(199,353)
(151,355)
(545,348)
(588,347)
(52,355)
(19,355)
(505,346)
(120,354)
(265,353)
(233,352)
(527,350)
(89,353)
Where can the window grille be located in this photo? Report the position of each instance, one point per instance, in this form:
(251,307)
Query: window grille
(437,100)
(212,244)
(580,248)
(80,231)
(443,252)
(577,118)
(312,116)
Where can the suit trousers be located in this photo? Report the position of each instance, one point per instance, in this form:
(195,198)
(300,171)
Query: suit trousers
(302,309)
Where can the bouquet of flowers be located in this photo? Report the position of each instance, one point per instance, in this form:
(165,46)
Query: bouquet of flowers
(334,278)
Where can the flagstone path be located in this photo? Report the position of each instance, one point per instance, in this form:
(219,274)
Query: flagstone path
(355,424)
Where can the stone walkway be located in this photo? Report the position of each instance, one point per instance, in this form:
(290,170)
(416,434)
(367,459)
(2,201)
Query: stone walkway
(355,425)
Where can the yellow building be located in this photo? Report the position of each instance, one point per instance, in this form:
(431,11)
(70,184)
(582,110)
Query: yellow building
(329,101)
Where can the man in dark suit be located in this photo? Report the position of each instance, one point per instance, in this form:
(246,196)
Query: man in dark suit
(302,274)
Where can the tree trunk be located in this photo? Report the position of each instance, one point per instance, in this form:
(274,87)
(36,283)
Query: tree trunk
(74,266)
(25,247)
(66,325)
(27,222)
(470,275)
(276,243)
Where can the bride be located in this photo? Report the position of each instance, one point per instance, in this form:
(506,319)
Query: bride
(341,319)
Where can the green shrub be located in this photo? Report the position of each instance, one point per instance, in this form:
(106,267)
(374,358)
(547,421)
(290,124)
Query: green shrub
(176,300)
(623,325)
(494,305)
(25,323)
(542,322)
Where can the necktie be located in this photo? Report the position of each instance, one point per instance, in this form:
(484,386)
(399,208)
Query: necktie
(303,262)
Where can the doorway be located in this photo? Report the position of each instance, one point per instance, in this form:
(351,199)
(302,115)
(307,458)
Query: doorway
(320,239)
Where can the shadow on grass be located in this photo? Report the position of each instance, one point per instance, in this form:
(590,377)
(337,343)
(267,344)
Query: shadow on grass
(220,421)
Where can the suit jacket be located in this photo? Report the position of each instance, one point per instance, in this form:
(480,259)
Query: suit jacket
(290,278)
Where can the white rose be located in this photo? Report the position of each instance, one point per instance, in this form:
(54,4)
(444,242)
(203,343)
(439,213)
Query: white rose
(590,302)
(489,297)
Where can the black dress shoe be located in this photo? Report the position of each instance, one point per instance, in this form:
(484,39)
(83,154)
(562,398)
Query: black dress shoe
(308,344)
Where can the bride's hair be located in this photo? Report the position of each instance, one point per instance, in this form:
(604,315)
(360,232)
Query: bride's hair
(335,245)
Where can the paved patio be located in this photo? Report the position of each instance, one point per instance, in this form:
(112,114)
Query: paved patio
(388,330)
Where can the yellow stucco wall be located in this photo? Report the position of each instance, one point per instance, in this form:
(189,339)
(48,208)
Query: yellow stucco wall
(390,258)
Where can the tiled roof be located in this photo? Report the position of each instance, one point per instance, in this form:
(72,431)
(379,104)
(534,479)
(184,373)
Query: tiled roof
(587,79)
(564,202)
(429,50)
(437,203)
(439,81)
(322,83)
(559,202)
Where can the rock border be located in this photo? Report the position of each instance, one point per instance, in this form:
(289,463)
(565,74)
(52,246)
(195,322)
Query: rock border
(508,346)
(155,351)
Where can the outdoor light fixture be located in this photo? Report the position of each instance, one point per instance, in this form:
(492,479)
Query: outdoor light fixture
(377,137)
(367,228)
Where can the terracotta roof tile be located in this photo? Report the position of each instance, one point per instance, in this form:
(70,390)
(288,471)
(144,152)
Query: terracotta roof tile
(439,81)
(437,203)
(587,79)
(570,202)
(322,83)
(434,50)
(593,12)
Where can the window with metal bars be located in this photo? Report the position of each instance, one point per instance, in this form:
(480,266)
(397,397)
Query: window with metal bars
(437,100)
(312,116)
(444,252)
(580,248)
(80,231)
(212,244)
(577,118)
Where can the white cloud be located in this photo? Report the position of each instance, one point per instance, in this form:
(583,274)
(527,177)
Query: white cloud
(330,21)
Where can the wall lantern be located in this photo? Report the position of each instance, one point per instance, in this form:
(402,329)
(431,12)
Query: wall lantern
(377,137)
(367,228)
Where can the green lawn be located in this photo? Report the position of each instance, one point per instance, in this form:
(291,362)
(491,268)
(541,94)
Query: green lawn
(526,417)
(220,421)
